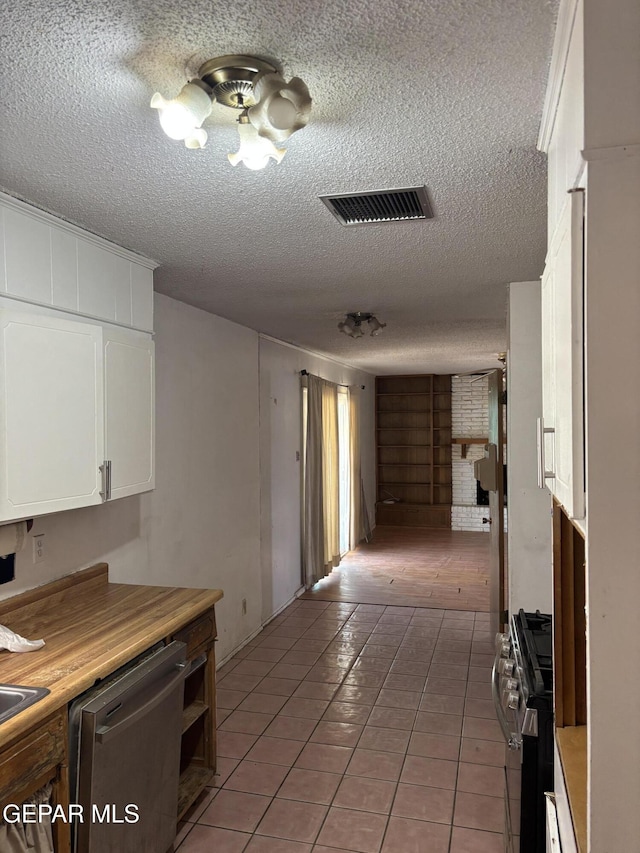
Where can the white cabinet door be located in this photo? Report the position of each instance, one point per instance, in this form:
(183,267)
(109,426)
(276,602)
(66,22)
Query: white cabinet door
(51,414)
(129,411)
(46,261)
(563,354)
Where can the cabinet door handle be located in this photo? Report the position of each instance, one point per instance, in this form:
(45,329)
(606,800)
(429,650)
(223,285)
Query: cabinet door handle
(543,474)
(103,483)
(105,471)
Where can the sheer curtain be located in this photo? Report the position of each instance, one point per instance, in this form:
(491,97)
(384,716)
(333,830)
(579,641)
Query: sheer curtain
(330,476)
(321,540)
(322,450)
(357,531)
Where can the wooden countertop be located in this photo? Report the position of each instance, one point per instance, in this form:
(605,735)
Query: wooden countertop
(90,627)
(572,746)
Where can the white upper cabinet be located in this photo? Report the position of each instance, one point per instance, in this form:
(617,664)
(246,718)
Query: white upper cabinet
(49,262)
(76,366)
(129,411)
(51,414)
(563,355)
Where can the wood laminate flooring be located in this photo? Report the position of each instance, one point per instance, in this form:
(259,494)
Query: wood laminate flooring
(413,567)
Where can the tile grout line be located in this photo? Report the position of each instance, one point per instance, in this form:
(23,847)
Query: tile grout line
(385,674)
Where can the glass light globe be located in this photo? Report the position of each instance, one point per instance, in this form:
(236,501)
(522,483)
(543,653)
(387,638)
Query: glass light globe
(281,112)
(176,120)
(255,150)
(181,117)
(376,326)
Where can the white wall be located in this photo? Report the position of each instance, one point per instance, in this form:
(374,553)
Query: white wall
(280,441)
(200,527)
(613,499)
(225,511)
(530,523)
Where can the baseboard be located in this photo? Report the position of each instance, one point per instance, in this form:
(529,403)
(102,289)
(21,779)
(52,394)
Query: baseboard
(238,648)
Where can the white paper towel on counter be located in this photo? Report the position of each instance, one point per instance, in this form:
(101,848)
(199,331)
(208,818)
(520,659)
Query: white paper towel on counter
(12,538)
(15,643)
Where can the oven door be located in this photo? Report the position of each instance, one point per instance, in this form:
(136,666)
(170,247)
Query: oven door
(507,699)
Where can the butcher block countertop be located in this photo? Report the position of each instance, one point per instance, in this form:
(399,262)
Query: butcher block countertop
(90,627)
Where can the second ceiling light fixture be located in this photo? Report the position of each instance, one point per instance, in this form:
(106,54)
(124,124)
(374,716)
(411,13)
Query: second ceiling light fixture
(352,324)
(271,108)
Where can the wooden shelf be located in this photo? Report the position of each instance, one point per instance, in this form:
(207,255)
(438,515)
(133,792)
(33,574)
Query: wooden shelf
(417,394)
(192,713)
(413,483)
(466,442)
(414,505)
(192,781)
(408,429)
(405,445)
(406,464)
(422,411)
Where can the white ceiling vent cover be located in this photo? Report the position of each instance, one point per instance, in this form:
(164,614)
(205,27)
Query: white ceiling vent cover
(380,206)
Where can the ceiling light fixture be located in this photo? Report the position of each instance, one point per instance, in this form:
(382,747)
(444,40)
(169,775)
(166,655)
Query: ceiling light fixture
(271,108)
(352,324)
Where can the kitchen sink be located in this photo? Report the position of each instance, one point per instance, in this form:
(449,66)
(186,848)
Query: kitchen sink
(14,699)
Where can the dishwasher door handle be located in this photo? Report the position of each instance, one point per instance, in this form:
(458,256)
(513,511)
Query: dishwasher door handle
(106,733)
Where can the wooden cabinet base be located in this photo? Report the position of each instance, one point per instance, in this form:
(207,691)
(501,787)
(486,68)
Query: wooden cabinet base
(193,781)
(413,515)
(198,749)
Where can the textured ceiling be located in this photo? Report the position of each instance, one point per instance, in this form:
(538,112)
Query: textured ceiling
(446,93)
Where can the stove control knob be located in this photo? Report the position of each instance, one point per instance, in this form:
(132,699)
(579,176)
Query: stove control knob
(506,667)
(513,700)
(511,684)
(502,644)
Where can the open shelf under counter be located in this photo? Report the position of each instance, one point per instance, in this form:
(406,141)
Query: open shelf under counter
(192,713)
(572,747)
(193,781)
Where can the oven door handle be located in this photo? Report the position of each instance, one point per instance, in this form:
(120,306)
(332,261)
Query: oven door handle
(514,741)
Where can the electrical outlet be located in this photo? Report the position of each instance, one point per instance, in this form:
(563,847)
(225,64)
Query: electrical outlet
(244,606)
(38,549)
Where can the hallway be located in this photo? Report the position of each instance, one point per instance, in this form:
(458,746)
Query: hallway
(356,727)
(415,567)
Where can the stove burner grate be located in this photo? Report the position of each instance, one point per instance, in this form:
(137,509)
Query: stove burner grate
(536,631)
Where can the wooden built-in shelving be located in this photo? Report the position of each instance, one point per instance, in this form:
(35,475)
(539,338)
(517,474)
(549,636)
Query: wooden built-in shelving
(413,447)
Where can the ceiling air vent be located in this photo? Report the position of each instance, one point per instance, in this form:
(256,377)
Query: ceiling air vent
(380,206)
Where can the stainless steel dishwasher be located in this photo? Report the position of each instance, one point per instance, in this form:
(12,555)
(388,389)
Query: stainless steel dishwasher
(125,737)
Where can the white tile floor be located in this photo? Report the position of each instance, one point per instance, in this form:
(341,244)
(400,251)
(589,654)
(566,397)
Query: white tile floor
(355,727)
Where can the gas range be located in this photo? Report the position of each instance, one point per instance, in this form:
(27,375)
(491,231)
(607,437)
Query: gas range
(523,696)
(531,639)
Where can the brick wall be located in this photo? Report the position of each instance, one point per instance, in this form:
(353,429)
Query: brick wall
(469,417)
